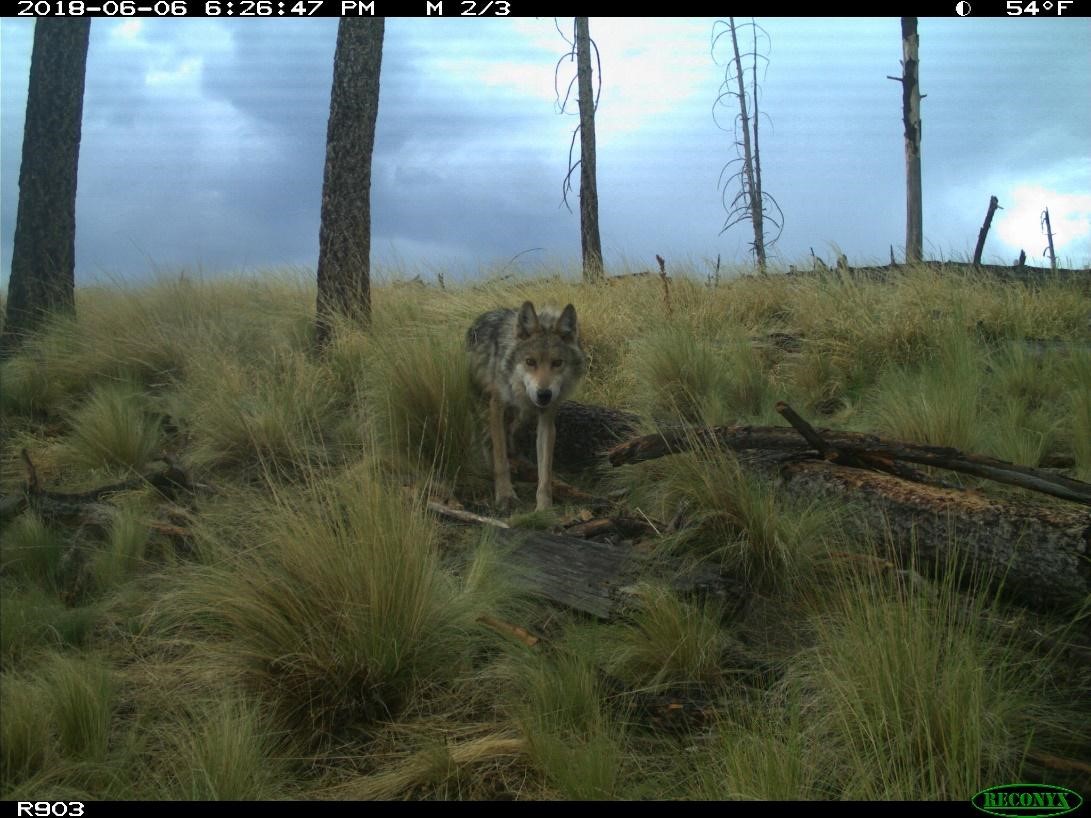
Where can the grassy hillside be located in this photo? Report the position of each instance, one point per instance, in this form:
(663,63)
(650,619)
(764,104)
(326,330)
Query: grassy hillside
(301,627)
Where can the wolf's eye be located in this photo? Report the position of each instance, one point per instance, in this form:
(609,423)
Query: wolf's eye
(531,362)
(557,363)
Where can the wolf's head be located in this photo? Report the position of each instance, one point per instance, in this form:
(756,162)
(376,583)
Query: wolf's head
(548,360)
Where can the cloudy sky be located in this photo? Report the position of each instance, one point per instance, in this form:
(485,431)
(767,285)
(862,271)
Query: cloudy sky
(204,141)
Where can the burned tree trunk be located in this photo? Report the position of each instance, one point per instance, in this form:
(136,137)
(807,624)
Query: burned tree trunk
(590,240)
(1037,554)
(749,170)
(994,205)
(750,202)
(344,242)
(911,115)
(1049,236)
(43,261)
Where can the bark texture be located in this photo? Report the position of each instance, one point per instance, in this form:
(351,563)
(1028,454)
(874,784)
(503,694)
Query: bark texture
(344,253)
(43,264)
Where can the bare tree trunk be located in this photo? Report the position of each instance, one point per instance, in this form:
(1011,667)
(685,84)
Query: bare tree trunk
(752,177)
(1049,236)
(344,253)
(994,203)
(911,114)
(43,263)
(590,241)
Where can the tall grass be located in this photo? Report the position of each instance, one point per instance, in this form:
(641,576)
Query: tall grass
(423,406)
(696,379)
(344,615)
(123,553)
(224,751)
(273,413)
(672,641)
(1078,411)
(763,751)
(913,698)
(936,402)
(752,529)
(321,636)
(25,743)
(33,618)
(114,428)
(81,693)
(572,736)
(33,550)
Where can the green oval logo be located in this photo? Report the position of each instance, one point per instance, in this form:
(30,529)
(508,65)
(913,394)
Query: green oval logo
(1019,800)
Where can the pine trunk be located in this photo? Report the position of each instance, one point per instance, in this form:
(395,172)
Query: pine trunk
(43,264)
(911,115)
(590,241)
(344,253)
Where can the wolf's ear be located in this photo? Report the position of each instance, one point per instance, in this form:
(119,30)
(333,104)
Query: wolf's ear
(567,326)
(527,322)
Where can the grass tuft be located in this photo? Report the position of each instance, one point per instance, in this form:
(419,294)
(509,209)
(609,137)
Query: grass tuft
(344,615)
(114,428)
(223,751)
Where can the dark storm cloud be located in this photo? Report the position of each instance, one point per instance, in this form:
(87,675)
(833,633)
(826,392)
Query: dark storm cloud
(204,144)
(204,140)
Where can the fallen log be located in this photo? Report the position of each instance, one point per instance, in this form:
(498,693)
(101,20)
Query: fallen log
(1037,555)
(625,526)
(1019,273)
(463,516)
(584,432)
(792,342)
(84,507)
(856,445)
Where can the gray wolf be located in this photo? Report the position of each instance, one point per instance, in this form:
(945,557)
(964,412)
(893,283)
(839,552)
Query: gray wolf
(526,362)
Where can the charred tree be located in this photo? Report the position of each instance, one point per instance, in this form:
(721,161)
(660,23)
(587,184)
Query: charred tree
(994,205)
(911,117)
(750,202)
(43,263)
(1048,230)
(590,241)
(344,252)
(588,96)
(1036,552)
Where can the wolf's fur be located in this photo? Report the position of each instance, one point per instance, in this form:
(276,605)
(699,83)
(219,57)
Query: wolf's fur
(526,362)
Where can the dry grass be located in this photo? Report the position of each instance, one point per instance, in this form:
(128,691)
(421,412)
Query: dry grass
(316,634)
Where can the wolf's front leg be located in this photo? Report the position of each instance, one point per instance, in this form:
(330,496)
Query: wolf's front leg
(501,468)
(547,433)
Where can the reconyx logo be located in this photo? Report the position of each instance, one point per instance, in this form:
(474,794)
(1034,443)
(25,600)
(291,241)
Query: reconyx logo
(1021,800)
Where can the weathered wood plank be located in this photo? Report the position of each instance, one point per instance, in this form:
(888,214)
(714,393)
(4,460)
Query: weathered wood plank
(578,574)
(595,577)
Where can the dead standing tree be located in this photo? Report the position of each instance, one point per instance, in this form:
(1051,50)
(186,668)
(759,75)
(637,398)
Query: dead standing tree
(911,117)
(344,241)
(994,205)
(590,240)
(750,202)
(43,263)
(1048,230)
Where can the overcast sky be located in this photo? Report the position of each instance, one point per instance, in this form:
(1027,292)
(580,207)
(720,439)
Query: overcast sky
(204,142)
